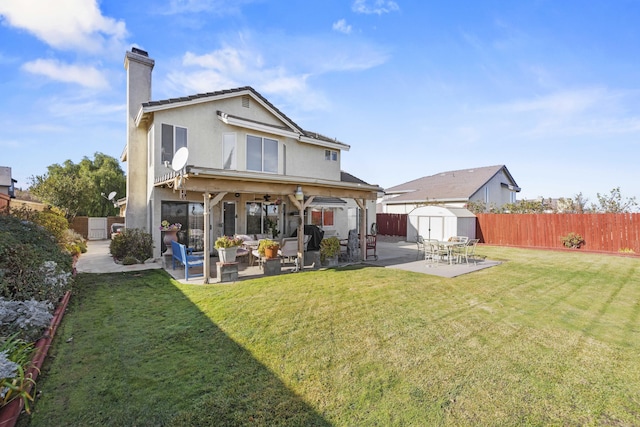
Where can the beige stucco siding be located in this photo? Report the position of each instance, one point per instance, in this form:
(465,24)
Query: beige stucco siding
(205,135)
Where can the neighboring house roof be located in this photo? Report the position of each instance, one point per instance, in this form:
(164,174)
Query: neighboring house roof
(458,185)
(290,125)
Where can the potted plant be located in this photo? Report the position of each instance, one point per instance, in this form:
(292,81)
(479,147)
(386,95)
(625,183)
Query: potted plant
(329,251)
(170,234)
(227,248)
(268,248)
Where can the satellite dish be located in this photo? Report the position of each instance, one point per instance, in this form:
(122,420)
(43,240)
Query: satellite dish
(180,159)
(111,195)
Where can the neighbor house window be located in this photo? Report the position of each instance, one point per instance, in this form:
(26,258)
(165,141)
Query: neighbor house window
(173,138)
(322,217)
(229,151)
(331,155)
(262,154)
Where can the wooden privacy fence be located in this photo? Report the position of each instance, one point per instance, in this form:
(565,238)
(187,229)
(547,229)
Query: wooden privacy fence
(392,224)
(601,232)
(80,224)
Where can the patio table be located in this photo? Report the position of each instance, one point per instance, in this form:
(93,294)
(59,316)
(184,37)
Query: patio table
(450,246)
(251,245)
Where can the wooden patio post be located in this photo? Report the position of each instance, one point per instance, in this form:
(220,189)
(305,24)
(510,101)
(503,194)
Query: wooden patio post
(207,260)
(208,205)
(301,205)
(362,204)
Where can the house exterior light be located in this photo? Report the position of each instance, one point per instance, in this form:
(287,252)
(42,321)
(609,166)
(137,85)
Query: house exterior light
(299,194)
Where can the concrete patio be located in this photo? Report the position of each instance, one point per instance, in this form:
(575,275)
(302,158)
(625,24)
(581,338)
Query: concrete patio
(392,253)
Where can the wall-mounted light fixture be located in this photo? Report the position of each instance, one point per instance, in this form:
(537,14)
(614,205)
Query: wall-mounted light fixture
(299,194)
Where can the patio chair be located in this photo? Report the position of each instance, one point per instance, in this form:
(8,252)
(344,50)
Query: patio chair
(256,255)
(371,246)
(421,245)
(288,249)
(468,251)
(433,251)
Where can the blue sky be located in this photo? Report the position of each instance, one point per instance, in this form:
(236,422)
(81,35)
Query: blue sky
(551,89)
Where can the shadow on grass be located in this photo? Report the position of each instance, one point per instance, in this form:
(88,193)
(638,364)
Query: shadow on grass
(133,350)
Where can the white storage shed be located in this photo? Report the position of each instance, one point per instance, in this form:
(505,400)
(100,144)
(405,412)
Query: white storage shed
(440,223)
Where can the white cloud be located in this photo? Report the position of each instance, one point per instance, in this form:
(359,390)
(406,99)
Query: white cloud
(86,76)
(342,27)
(378,7)
(231,67)
(562,103)
(279,66)
(66,24)
(569,114)
(79,106)
(10,143)
(219,7)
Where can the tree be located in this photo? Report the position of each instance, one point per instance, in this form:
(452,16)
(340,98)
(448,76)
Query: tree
(76,188)
(528,206)
(479,206)
(576,205)
(614,203)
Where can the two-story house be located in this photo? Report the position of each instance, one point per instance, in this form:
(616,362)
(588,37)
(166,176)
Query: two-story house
(7,187)
(250,169)
(491,185)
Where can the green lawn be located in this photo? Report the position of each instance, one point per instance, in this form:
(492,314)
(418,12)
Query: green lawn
(545,338)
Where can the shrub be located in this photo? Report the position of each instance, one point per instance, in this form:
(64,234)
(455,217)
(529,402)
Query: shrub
(329,248)
(26,319)
(129,260)
(55,223)
(73,243)
(32,265)
(132,242)
(572,240)
(50,219)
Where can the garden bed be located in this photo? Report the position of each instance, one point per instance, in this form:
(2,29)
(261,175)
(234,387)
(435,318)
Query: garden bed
(10,413)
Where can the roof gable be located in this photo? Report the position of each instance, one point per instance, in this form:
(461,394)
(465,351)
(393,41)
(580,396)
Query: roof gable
(451,185)
(289,125)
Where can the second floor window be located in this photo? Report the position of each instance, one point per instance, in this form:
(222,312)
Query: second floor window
(331,155)
(173,138)
(262,154)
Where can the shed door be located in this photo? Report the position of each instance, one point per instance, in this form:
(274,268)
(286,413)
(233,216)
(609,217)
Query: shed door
(97,228)
(431,227)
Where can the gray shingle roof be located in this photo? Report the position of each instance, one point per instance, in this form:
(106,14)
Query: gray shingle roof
(347,177)
(450,185)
